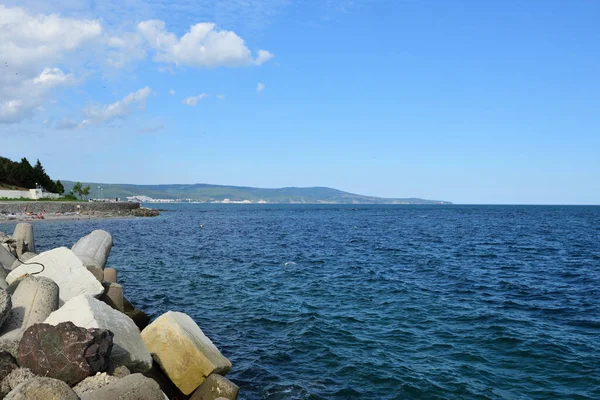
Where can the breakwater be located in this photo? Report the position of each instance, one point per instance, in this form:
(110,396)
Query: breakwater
(13,207)
(68,331)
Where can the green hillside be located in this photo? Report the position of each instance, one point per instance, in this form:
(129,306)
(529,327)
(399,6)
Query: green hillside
(205,192)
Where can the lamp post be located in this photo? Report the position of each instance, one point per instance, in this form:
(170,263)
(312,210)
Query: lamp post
(101,193)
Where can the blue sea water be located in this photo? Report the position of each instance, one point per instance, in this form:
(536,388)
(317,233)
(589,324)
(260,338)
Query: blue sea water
(383,302)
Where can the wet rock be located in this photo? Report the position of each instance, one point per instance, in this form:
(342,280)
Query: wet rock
(215,387)
(93,249)
(132,387)
(65,351)
(129,348)
(183,351)
(63,267)
(33,299)
(42,389)
(94,382)
(14,379)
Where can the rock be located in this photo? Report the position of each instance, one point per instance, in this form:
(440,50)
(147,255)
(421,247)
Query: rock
(168,387)
(94,248)
(14,379)
(94,382)
(6,258)
(110,275)
(42,389)
(5,306)
(132,387)
(139,317)
(33,299)
(119,371)
(183,351)
(63,267)
(23,259)
(129,348)
(65,351)
(215,387)
(7,364)
(113,295)
(24,234)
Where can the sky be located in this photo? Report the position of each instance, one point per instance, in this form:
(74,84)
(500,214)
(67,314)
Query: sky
(491,102)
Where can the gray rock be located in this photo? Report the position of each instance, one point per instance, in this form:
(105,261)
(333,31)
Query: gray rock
(15,378)
(215,387)
(94,382)
(7,364)
(94,248)
(113,295)
(5,306)
(23,235)
(6,258)
(33,299)
(42,389)
(132,387)
(118,371)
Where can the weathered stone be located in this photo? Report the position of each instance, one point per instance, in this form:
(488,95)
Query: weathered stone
(129,348)
(25,257)
(33,299)
(215,387)
(94,248)
(110,275)
(63,267)
(24,234)
(42,389)
(6,258)
(132,387)
(5,306)
(118,371)
(7,364)
(14,379)
(94,382)
(113,295)
(183,351)
(65,351)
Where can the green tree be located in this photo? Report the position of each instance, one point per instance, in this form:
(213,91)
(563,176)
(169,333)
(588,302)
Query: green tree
(80,190)
(60,189)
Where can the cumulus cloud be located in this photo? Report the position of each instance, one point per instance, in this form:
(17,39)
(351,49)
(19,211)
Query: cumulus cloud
(203,46)
(260,87)
(118,109)
(193,100)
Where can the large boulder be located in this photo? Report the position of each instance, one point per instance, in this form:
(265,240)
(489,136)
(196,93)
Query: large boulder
(183,351)
(131,387)
(5,305)
(63,267)
(65,351)
(14,379)
(215,387)
(94,248)
(42,389)
(32,302)
(94,382)
(129,348)
(23,235)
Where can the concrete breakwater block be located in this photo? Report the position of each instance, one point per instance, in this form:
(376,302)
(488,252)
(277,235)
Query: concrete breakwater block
(6,258)
(25,257)
(128,347)
(5,306)
(183,351)
(110,275)
(23,235)
(131,387)
(63,267)
(42,388)
(93,249)
(32,302)
(216,387)
(113,295)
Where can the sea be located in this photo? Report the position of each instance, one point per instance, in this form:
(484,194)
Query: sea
(374,301)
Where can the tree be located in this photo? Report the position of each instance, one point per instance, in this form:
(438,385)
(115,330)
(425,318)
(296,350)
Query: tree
(60,189)
(80,190)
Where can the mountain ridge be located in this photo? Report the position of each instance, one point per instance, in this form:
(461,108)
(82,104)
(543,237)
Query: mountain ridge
(205,192)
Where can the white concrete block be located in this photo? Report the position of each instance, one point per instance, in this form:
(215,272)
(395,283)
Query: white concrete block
(128,349)
(63,267)
(93,249)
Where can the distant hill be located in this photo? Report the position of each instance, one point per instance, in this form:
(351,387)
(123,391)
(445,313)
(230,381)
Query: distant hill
(205,192)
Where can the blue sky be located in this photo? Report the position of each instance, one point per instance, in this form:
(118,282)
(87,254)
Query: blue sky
(466,101)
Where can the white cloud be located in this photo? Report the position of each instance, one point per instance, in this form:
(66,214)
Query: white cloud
(118,109)
(171,92)
(260,87)
(193,100)
(221,96)
(203,46)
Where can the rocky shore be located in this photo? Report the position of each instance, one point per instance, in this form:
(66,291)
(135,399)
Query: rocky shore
(23,211)
(68,332)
